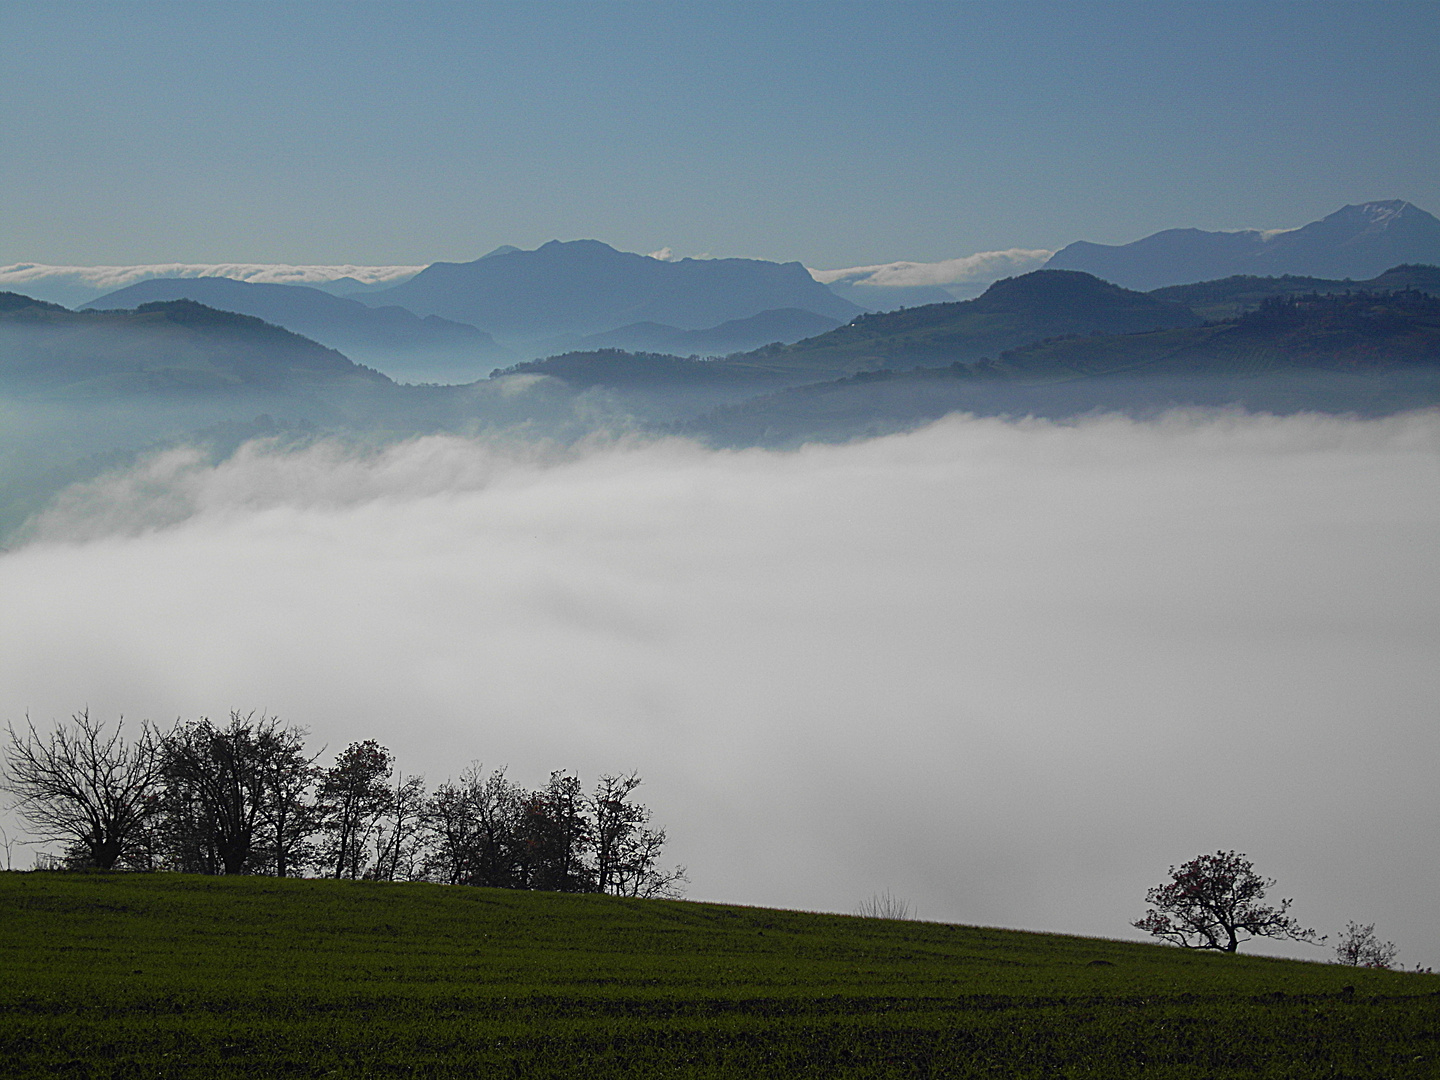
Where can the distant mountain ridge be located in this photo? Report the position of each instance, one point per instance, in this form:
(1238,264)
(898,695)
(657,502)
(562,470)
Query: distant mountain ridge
(585,287)
(169,347)
(1367,353)
(77,285)
(782,325)
(1011,312)
(1358,241)
(389,337)
(1233,296)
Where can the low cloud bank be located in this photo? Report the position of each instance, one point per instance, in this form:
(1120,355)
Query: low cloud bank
(1009,671)
(983,267)
(79,284)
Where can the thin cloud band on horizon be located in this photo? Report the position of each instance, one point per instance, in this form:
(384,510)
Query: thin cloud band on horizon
(109,278)
(983,266)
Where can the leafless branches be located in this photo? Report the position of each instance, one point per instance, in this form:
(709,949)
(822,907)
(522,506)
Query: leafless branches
(85,786)
(245,797)
(885,906)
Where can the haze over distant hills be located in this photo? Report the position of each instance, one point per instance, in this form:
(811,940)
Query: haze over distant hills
(1365,353)
(584,287)
(1356,242)
(783,325)
(1011,312)
(1053,343)
(179,347)
(403,344)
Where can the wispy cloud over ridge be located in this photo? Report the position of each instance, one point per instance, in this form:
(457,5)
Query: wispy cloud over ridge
(984,266)
(72,284)
(117,277)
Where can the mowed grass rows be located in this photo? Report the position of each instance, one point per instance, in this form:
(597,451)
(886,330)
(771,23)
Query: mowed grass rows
(135,975)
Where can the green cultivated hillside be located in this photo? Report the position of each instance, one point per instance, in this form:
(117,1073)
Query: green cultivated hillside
(132,975)
(1230,297)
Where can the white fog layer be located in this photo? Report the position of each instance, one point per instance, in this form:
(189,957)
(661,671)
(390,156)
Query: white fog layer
(1009,671)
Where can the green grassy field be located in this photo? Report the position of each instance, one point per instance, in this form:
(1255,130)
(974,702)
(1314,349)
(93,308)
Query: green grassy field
(132,975)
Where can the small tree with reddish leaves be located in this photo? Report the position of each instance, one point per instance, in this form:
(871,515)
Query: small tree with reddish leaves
(1359,947)
(1212,900)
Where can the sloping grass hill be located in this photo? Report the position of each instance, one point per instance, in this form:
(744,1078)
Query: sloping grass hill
(172,976)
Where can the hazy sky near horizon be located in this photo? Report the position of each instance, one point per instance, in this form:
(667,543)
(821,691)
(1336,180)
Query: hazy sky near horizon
(836,133)
(1010,671)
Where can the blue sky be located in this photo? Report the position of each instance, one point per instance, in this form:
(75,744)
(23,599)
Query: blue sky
(836,133)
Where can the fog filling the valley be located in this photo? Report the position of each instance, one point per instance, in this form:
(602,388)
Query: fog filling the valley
(1008,671)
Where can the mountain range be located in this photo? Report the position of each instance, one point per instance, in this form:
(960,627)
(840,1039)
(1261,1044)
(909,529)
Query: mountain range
(1011,312)
(584,287)
(182,345)
(1366,353)
(81,387)
(73,286)
(435,323)
(1357,241)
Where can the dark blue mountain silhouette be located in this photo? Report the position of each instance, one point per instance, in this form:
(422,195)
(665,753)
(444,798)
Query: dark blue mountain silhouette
(1354,242)
(586,287)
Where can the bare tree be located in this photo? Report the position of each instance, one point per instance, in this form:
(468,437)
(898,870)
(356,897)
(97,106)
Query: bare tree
(398,837)
(1359,947)
(473,826)
(85,786)
(640,874)
(288,818)
(354,794)
(497,859)
(627,851)
(883,905)
(1213,899)
(220,782)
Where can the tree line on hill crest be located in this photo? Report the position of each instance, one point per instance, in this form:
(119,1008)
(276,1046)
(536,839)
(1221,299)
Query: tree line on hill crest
(248,797)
